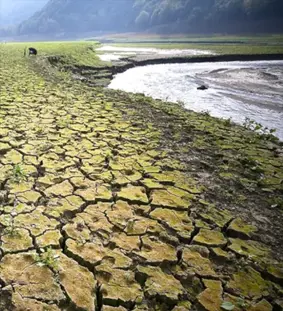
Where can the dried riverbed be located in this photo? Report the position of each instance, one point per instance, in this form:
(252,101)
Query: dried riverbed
(114,201)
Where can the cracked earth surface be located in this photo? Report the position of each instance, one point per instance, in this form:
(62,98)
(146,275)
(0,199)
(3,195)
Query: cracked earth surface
(106,204)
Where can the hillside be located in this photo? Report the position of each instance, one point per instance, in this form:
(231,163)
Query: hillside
(73,17)
(163,16)
(16,11)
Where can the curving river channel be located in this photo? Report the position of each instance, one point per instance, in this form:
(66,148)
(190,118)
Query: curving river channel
(237,90)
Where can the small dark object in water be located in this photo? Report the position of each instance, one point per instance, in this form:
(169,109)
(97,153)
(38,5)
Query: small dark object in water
(32,51)
(202,87)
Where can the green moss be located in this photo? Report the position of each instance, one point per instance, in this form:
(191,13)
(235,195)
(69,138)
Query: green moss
(151,184)
(262,305)
(210,238)
(220,253)
(156,251)
(49,238)
(211,298)
(216,216)
(248,283)
(276,271)
(159,283)
(176,220)
(63,189)
(197,263)
(183,306)
(133,194)
(81,292)
(249,248)
(118,285)
(241,229)
(15,240)
(39,282)
(170,199)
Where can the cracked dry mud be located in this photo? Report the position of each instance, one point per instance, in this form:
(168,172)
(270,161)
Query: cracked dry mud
(128,204)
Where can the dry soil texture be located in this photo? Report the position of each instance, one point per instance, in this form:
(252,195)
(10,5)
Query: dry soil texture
(118,202)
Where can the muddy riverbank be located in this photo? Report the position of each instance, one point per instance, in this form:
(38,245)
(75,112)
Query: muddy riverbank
(102,75)
(236,90)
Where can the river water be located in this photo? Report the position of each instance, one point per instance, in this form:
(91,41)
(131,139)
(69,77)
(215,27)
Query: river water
(114,53)
(237,90)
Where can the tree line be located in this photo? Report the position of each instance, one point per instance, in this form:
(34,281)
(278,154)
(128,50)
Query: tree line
(160,16)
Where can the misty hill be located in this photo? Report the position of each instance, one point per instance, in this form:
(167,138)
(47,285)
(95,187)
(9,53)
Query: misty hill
(163,16)
(16,11)
(80,16)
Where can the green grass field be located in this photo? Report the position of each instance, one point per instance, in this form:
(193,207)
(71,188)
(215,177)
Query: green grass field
(258,39)
(261,44)
(217,48)
(76,52)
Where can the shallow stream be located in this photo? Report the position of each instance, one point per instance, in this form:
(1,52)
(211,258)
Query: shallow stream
(114,53)
(236,90)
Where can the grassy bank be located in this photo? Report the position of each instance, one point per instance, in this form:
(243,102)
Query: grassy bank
(182,38)
(215,48)
(118,201)
(261,44)
(79,53)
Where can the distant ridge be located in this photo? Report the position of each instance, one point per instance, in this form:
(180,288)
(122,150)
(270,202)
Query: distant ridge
(16,11)
(160,16)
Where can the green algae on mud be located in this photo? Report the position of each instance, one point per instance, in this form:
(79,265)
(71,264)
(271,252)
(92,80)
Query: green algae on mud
(146,205)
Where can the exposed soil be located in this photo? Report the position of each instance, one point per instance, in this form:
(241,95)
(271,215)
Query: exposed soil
(101,76)
(113,201)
